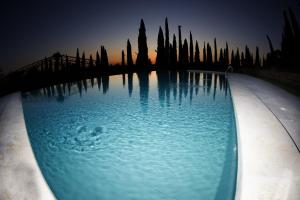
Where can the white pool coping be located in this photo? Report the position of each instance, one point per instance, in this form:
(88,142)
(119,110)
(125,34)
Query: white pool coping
(20,176)
(268,159)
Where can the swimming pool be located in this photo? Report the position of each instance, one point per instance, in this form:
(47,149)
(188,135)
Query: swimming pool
(163,135)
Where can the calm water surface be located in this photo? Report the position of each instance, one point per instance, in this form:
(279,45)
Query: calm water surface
(163,135)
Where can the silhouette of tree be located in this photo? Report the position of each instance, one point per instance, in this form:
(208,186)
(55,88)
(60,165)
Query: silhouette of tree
(83,60)
(185,53)
(237,59)
(257,59)
(104,57)
(98,61)
(248,57)
(180,46)
(221,58)
(123,58)
(232,58)
(209,54)
(174,51)
(242,59)
(294,23)
(167,43)
(197,54)
(51,65)
(129,54)
(142,57)
(216,51)
(91,62)
(191,49)
(56,57)
(287,42)
(204,54)
(160,48)
(67,63)
(77,61)
(226,55)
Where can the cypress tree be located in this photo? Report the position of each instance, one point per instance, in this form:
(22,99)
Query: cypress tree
(242,59)
(204,54)
(185,53)
(67,63)
(129,54)
(248,57)
(174,54)
(98,61)
(142,57)
(209,54)
(123,58)
(77,61)
(232,58)
(91,62)
(221,59)
(226,55)
(197,54)
(216,53)
(294,23)
(237,58)
(102,56)
(180,45)
(83,60)
(191,49)
(160,48)
(287,42)
(257,59)
(167,43)
(105,57)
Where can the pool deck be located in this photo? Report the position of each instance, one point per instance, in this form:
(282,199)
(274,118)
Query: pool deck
(268,122)
(20,176)
(268,131)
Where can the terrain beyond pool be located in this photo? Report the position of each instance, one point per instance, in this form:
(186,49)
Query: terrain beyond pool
(158,135)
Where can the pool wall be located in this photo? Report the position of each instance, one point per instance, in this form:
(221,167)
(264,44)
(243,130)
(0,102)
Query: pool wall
(20,175)
(268,160)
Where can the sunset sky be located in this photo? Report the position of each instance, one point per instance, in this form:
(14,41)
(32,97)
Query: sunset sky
(31,30)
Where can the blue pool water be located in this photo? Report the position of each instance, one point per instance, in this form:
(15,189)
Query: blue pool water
(163,135)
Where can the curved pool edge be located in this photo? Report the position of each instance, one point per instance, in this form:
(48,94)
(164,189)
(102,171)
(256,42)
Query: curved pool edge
(20,175)
(268,160)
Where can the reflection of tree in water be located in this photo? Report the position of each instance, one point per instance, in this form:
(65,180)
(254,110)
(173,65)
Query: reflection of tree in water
(183,84)
(173,80)
(191,83)
(197,81)
(143,78)
(99,82)
(105,84)
(180,83)
(163,83)
(130,84)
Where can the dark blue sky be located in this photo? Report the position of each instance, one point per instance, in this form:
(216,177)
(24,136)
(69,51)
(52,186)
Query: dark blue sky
(31,30)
